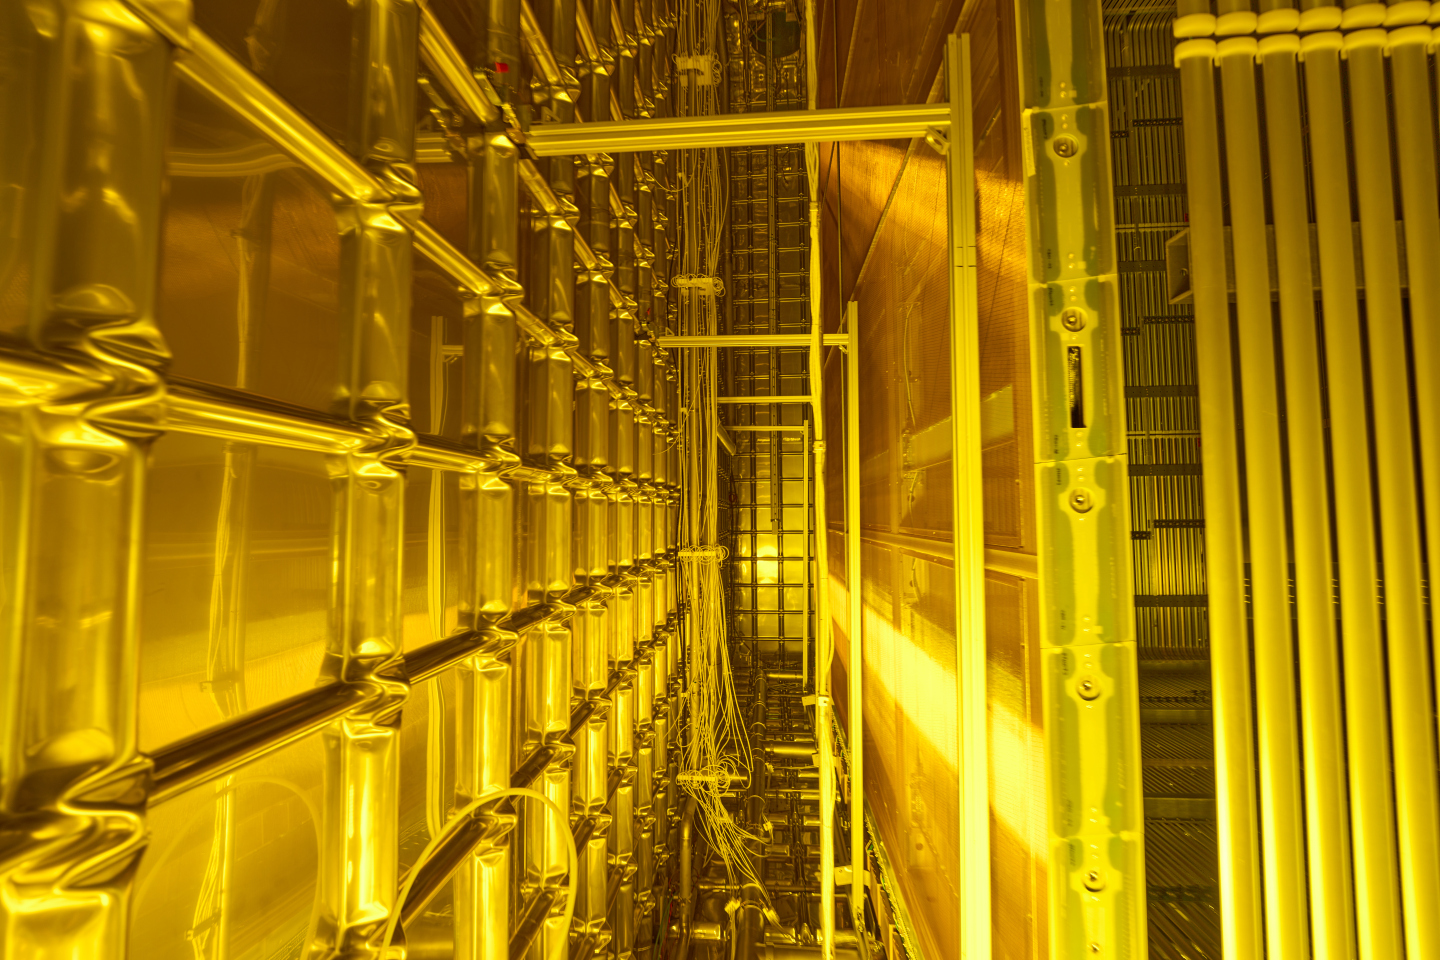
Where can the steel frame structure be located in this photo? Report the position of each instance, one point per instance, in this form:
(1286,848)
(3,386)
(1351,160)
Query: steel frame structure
(743,130)
(595,648)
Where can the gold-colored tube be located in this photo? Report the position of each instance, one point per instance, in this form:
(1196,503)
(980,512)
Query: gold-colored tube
(212,69)
(1417,806)
(541,57)
(1332,914)
(1239,859)
(216,751)
(1377,894)
(1414,113)
(449,65)
(855,628)
(1277,736)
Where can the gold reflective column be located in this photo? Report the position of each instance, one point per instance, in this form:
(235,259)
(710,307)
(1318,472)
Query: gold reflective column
(359,841)
(82,164)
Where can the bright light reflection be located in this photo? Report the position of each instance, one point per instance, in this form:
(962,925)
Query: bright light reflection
(900,670)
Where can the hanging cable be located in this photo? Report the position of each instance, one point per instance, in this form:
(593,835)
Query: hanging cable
(716,757)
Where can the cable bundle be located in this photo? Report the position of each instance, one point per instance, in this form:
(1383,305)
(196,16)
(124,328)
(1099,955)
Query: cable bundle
(716,756)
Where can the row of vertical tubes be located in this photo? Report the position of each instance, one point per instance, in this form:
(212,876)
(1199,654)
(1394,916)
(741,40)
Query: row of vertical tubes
(1329,818)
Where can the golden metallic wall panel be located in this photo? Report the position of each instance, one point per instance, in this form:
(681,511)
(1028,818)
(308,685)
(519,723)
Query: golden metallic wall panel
(250,271)
(433,562)
(302,49)
(237,573)
(232,865)
(256,552)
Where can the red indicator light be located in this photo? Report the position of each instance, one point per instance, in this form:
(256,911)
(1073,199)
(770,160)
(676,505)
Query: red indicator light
(502,68)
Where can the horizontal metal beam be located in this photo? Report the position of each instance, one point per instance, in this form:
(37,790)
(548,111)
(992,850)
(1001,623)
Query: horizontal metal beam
(770,428)
(754,340)
(741,129)
(785,398)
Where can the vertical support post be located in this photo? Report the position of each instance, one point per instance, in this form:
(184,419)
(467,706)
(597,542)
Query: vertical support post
(969,516)
(86,129)
(854,594)
(359,841)
(824,636)
(809,532)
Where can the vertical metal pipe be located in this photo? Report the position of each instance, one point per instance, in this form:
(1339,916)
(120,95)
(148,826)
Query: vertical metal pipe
(823,627)
(687,878)
(1332,914)
(1377,896)
(854,590)
(1415,152)
(808,532)
(968,509)
(750,923)
(1241,929)
(1417,807)
(1281,833)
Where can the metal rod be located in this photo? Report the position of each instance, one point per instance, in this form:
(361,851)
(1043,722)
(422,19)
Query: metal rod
(855,631)
(809,531)
(1331,913)
(1417,807)
(1224,571)
(753,340)
(741,129)
(1371,823)
(1277,735)
(968,507)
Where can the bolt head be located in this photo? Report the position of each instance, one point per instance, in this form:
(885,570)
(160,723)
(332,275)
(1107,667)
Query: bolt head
(1065,146)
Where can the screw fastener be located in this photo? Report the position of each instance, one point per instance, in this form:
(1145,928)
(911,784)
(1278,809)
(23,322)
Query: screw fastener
(1066,147)
(1094,881)
(1073,320)
(1089,689)
(1081,502)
